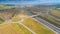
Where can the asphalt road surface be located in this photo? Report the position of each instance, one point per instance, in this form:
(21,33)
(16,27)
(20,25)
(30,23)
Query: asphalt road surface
(48,24)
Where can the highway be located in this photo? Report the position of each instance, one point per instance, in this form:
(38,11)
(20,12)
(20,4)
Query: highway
(48,24)
(51,26)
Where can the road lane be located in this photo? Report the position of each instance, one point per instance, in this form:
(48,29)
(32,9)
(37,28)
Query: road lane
(48,24)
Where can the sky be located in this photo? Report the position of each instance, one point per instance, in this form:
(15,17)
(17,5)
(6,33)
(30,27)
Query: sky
(29,2)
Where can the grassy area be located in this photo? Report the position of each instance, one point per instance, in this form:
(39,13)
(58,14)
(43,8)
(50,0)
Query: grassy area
(50,19)
(16,19)
(13,29)
(6,7)
(19,17)
(1,20)
(55,13)
(37,27)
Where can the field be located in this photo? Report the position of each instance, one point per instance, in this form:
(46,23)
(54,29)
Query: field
(1,20)
(13,29)
(4,7)
(37,27)
(15,19)
(50,19)
(55,13)
(19,17)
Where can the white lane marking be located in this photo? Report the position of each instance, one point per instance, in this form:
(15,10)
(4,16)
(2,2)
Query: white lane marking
(45,25)
(42,23)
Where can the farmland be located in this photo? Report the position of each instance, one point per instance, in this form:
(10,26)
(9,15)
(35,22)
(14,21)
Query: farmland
(14,20)
(13,29)
(55,13)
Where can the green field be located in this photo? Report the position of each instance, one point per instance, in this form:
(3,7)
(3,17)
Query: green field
(37,27)
(50,19)
(55,13)
(6,7)
(16,19)
(1,20)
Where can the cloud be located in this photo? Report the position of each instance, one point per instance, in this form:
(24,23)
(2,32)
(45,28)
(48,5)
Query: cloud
(15,0)
(20,1)
(49,0)
(32,2)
